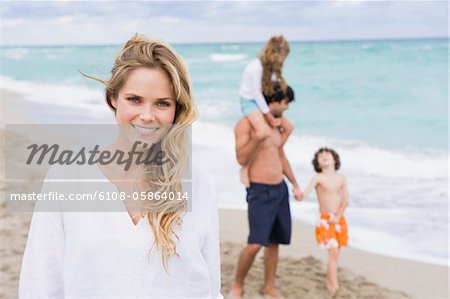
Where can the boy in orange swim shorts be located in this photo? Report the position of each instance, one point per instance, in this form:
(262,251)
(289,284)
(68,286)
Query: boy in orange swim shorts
(332,193)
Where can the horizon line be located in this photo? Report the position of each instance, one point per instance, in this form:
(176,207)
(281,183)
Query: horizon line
(241,42)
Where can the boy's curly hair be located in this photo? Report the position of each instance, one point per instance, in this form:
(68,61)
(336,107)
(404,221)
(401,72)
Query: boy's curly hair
(315,161)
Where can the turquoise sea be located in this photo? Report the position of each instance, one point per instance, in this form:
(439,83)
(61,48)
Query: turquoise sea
(383,105)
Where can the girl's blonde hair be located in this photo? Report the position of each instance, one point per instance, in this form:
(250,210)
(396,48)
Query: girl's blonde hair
(164,216)
(272,58)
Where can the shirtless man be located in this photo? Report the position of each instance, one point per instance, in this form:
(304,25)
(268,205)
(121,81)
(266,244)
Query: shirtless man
(332,193)
(267,195)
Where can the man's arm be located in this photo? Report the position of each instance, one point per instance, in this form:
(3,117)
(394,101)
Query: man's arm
(245,144)
(286,129)
(287,171)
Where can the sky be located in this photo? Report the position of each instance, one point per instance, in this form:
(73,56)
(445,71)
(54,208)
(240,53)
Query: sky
(111,22)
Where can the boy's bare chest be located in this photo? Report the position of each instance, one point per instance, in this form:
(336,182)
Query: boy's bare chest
(330,185)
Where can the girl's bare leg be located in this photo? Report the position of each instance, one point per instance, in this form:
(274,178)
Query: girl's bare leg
(244,176)
(259,123)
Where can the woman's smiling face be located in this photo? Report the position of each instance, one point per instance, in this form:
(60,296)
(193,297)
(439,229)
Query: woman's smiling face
(145,103)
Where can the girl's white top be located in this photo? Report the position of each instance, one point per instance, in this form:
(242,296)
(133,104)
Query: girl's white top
(104,255)
(251,85)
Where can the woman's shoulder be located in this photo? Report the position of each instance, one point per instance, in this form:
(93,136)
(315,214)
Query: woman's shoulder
(202,180)
(203,189)
(255,64)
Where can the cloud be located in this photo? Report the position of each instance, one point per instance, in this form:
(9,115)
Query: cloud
(221,21)
(169,20)
(10,23)
(346,3)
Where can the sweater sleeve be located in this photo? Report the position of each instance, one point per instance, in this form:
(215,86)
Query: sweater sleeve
(211,246)
(41,275)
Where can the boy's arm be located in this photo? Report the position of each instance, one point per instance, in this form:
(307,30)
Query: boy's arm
(245,144)
(345,199)
(287,171)
(312,184)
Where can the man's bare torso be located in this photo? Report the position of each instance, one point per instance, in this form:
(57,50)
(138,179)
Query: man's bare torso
(266,164)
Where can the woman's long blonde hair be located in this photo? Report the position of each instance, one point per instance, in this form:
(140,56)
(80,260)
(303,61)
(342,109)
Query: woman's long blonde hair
(164,216)
(272,59)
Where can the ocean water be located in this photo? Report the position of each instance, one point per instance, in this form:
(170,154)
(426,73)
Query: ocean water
(383,105)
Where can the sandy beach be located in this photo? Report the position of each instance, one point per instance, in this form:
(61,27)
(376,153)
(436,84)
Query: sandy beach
(301,271)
